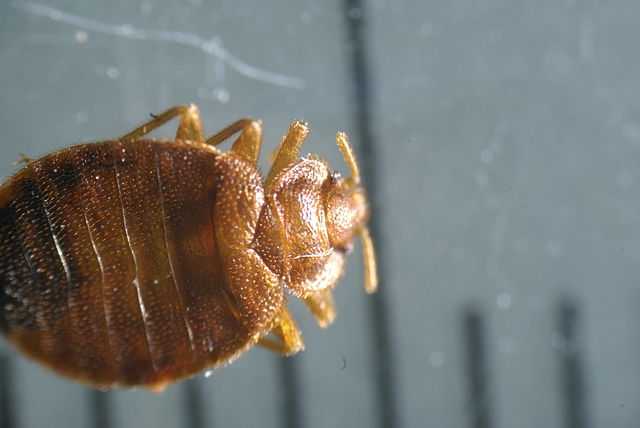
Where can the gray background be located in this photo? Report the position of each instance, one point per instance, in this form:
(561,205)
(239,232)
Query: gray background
(499,139)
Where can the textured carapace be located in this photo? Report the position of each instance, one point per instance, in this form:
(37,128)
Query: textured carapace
(141,262)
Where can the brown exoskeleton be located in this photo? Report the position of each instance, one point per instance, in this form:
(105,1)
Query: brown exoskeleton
(141,262)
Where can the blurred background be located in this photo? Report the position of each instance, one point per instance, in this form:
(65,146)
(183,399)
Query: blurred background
(498,140)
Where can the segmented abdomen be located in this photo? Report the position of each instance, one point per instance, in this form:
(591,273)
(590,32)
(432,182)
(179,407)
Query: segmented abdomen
(109,271)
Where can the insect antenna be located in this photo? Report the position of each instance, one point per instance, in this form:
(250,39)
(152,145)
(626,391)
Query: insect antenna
(349,158)
(368,251)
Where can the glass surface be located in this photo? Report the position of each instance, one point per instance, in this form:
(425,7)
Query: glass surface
(500,142)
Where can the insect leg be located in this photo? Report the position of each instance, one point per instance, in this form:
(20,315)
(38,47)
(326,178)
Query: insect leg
(289,340)
(247,145)
(190,127)
(189,124)
(321,305)
(158,387)
(289,150)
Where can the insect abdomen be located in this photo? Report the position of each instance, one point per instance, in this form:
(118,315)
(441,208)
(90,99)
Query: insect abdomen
(108,263)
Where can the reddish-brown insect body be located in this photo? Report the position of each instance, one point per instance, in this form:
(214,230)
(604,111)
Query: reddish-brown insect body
(141,262)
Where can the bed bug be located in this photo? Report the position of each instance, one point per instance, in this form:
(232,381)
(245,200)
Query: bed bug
(139,262)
